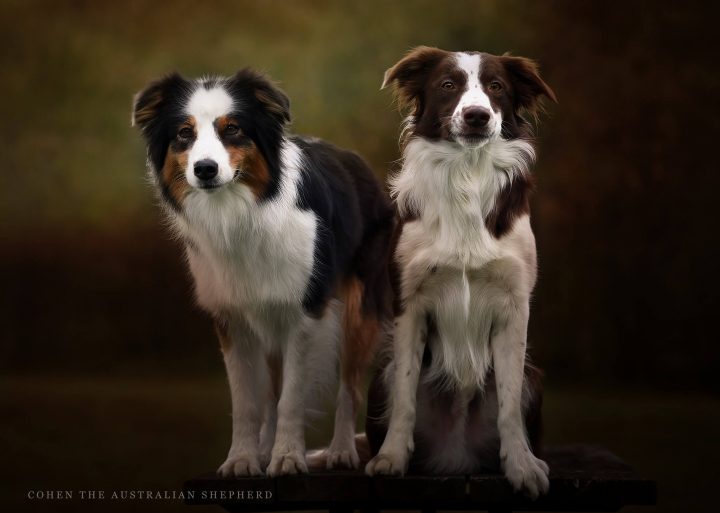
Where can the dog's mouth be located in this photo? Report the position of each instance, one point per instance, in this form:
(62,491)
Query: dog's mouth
(209,187)
(473,138)
(213,185)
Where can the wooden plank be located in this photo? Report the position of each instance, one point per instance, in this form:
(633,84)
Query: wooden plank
(582,478)
(419,492)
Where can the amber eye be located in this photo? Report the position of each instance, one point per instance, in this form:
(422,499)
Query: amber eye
(495,86)
(447,84)
(185,133)
(232,129)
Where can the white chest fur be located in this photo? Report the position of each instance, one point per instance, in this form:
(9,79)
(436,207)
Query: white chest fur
(452,266)
(247,256)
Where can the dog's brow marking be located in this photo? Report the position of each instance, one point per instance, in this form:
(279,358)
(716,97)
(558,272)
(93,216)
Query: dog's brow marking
(208,105)
(474,95)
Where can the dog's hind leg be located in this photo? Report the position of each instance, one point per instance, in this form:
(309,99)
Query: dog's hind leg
(361,332)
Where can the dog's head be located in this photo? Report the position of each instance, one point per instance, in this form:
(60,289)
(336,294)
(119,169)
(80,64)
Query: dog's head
(467,97)
(207,134)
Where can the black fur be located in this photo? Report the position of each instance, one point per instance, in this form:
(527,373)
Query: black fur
(355,217)
(262,115)
(355,223)
(158,111)
(253,92)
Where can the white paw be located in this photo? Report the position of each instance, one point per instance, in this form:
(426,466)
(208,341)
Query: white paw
(238,465)
(343,457)
(283,463)
(265,454)
(389,463)
(525,472)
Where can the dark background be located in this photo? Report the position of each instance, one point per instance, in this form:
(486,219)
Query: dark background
(112,378)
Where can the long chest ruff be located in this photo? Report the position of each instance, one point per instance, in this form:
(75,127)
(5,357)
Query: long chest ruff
(452,266)
(245,255)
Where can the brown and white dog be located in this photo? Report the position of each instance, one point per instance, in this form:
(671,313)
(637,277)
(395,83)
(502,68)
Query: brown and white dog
(282,235)
(459,391)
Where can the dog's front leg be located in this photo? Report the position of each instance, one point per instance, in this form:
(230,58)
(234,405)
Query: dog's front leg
(247,376)
(267,431)
(288,453)
(521,467)
(408,346)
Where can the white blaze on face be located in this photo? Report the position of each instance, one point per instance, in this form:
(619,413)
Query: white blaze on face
(205,106)
(474,95)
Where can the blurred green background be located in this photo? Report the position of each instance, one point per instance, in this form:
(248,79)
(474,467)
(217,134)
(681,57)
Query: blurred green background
(111,377)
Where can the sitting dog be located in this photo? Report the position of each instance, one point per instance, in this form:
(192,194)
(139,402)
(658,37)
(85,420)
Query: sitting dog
(458,388)
(282,235)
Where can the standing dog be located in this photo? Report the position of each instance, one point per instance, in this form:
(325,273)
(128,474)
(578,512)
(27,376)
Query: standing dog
(459,388)
(282,235)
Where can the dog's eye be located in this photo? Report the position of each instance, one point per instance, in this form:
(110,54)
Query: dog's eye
(495,86)
(185,133)
(232,129)
(447,84)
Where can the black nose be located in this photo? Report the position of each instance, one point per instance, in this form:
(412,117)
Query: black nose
(476,117)
(206,169)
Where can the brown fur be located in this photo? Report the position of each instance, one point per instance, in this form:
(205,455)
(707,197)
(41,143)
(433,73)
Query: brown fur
(361,333)
(223,335)
(512,202)
(253,169)
(146,110)
(411,72)
(173,174)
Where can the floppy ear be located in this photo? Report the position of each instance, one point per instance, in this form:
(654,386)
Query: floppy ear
(528,86)
(274,100)
(409,75)
(269,96)
(148,103)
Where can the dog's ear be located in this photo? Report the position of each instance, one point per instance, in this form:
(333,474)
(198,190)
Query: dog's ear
(410,74)
(148,103)
(528,86)
(269,96)
(274,100)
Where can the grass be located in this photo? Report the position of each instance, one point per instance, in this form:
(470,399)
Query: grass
(123,433)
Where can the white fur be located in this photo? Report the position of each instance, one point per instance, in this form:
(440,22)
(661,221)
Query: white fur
(474,96)
(247,254)
(454,190)
(205,106)
(476,287)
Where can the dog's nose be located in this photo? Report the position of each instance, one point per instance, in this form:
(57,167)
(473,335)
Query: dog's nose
(206,169)
(476,117)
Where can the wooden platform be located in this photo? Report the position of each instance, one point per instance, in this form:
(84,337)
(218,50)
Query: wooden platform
(582,478)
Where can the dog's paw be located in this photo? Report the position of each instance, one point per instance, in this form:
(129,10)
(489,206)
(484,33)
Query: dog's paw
(525,472)
(342,455)
(238,465)
(388,463)
(343,458)
(292,462)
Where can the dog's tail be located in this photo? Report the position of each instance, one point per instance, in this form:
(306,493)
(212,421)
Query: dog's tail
(317,458)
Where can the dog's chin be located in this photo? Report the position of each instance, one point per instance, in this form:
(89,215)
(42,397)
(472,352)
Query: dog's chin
(210,187)
(473,141)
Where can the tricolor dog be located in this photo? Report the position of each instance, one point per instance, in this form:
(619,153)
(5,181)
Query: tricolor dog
(459,393)
(282,235)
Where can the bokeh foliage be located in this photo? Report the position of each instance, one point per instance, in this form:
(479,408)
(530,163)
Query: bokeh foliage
(624,212)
